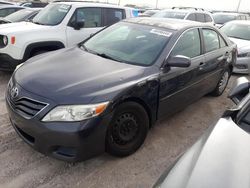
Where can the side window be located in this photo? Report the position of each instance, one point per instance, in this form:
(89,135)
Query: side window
(222,42)
(112,16)
(208,18)
(7,11)
(200,17)
(211,40)
(188,45)
(191,17)
(92,17)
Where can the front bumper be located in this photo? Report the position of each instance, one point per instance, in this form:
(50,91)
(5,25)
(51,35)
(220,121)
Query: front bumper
(242,65)
(7,63)
(68,141)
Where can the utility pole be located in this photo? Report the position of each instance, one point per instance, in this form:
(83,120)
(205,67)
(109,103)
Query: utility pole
(119,2)
(238,7)
(156,4)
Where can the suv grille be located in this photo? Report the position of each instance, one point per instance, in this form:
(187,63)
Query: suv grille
(26,107)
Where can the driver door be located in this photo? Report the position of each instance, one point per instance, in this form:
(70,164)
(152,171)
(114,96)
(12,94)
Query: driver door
(181,86)
(92,18)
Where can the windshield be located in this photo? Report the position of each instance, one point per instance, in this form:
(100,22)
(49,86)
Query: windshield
(240,31)
(52,14)
(170,14)
(222,18)
(129,43)
(19,15)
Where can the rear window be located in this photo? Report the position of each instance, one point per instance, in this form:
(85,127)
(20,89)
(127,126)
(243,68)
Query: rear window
(200,17)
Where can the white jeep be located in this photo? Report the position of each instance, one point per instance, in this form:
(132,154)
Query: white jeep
(58,25)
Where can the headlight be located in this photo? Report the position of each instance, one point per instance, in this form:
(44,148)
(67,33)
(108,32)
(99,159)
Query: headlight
(5,40)
(75,112)
(244,54)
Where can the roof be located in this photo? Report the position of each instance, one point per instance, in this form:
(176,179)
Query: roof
(167,23)
(230,13)
(186,10)
(10,6)
(80,4)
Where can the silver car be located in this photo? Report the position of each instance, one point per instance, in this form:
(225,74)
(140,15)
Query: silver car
(239,32)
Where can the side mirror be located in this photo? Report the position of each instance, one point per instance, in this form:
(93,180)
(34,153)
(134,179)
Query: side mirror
(178,61)
(79,24)
(239,90)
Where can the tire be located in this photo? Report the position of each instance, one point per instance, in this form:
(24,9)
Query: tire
(127,130)
(222,84)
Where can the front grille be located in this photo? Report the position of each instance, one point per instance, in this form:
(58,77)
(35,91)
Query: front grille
(26,107)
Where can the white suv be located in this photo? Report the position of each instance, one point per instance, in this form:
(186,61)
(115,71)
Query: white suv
(186,13)
(58,25)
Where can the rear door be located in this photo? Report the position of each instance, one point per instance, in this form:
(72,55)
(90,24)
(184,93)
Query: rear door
(93,19)
(216,53)
(181,86)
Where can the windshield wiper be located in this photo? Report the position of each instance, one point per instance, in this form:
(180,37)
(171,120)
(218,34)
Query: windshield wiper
(108,57)
(38,23)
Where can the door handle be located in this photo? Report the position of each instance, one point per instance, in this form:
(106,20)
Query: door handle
(201,65)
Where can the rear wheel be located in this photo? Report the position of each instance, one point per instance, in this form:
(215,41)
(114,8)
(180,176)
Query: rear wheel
(127,130)
(221,86)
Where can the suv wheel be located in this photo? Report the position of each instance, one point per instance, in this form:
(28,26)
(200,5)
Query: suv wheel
(127,130)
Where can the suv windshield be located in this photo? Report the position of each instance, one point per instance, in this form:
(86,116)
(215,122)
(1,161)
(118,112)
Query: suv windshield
(170,14)
(223,18)
(240,31)
(18,16)
(52,14)
(129,43)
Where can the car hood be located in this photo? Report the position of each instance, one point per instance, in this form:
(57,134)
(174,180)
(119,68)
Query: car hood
(219,160)
(243,45)
(75,76)
(21,27)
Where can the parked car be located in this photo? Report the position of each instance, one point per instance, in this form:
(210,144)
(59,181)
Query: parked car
(104,94)
(239,33)
(219,158)
(220,18)
(6,10)
(58,25)
(149,13)
(186,13)
(21,15)
(33,4)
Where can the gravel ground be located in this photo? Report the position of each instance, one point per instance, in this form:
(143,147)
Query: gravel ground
(21,166)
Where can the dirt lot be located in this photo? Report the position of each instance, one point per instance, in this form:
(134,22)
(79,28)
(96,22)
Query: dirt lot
(21,166)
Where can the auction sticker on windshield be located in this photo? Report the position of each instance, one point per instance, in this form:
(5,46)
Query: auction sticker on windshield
(161,32)
(64,8)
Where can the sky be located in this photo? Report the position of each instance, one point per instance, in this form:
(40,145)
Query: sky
(207,4)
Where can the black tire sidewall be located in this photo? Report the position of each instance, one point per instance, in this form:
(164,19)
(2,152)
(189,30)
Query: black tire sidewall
(217,91)
(143,122)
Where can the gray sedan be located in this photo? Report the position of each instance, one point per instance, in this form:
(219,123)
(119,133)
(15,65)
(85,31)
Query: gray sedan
(239,33)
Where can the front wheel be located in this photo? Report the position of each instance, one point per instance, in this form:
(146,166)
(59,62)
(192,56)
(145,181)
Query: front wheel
(127,130)
(221,86)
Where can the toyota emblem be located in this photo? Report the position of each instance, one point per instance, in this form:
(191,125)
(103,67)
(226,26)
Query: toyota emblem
(14,92)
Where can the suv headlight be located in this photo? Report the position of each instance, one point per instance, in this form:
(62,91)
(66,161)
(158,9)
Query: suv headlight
(72,113)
